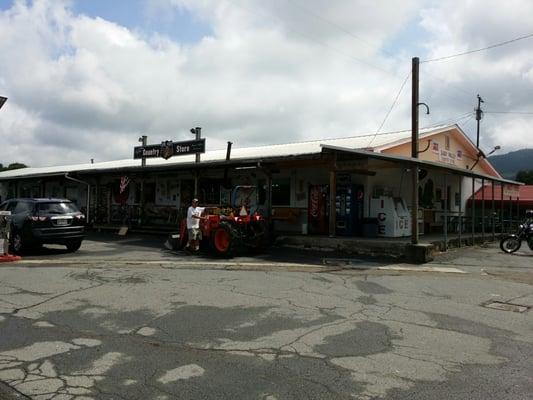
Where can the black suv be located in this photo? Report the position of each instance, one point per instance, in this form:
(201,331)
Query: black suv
(35,222)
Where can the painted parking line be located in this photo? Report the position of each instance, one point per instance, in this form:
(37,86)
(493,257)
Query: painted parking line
(416,268)
(162,262)
(242,264)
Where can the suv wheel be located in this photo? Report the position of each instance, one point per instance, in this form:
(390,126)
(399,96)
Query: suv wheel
(73,245)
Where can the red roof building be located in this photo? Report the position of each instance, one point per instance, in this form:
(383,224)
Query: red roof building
(520,198)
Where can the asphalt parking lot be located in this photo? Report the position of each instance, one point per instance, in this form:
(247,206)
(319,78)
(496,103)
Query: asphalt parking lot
(124,318)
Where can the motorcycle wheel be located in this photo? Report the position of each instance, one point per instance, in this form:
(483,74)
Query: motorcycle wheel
(510,244)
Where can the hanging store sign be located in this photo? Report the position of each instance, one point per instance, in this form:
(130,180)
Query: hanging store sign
(168,149)
(511,191)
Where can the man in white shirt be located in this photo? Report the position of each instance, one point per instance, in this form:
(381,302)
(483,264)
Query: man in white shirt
(194,215)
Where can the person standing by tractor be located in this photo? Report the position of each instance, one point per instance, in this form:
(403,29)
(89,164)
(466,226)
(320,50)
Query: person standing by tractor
(194,215)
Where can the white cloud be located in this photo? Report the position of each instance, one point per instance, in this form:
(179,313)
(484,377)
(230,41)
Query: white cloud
(82,87)
(499,75)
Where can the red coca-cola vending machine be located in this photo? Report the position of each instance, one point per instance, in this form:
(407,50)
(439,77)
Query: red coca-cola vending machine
(318,209)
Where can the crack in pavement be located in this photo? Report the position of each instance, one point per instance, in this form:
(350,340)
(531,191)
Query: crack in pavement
(17,310)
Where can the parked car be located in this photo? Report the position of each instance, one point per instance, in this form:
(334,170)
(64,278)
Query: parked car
(35,222)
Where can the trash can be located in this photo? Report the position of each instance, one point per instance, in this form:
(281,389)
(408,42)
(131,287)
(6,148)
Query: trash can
(4,231)
(370,227)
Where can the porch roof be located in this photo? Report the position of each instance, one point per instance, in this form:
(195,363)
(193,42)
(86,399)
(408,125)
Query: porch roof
(416,161)
(260,154)
(525,193)
(239,156)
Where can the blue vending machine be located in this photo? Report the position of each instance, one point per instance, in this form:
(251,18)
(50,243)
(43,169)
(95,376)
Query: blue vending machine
(349,207)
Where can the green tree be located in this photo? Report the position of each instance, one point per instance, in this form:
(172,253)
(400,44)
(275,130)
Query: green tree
(525,176)
(14,165)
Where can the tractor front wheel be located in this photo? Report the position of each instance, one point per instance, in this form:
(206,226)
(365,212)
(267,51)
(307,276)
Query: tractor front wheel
(224,240)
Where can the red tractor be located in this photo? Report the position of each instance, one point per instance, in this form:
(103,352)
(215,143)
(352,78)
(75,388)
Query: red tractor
(227,235)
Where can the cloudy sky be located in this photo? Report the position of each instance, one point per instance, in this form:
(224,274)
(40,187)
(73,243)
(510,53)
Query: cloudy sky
(86,78)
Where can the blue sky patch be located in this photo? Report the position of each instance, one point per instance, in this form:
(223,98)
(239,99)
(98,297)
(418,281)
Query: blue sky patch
(178,24)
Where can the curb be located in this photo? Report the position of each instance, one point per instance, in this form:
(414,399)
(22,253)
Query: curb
(9,258)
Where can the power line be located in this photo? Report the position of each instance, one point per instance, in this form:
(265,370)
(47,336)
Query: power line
(433,76)
(478,50)
(460,118)
(391,108)
(365,42)
(438,91)
(317,41)
(509,112)
(371,45)
(467,125)
(354,36)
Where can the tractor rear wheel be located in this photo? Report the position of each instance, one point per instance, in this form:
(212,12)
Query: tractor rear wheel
(225,240)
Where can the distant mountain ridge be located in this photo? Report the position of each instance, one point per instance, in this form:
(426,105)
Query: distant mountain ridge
(509,164)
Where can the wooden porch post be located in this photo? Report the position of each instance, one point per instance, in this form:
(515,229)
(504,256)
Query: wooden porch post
(518,208)
(482,210)
(460,208)
(493,215)
(473,209)
(501,209)
(510,213)
(446,203)
(332,196)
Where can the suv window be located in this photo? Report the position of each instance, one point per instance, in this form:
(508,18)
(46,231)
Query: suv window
(9,205)
(57,208)
(22,207)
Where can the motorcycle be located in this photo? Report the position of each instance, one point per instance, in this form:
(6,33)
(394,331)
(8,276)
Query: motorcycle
(511,243)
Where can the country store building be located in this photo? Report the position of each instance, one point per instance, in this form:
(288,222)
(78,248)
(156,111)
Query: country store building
(355,186)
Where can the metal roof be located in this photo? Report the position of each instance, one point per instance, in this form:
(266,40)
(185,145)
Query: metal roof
(525,193)
(372,141)
(428,164)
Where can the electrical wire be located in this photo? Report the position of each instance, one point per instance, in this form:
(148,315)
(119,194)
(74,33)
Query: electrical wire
(463,118)
(509,112)
(435,125)
(310,38)
(373,46)
(432,75)
(390,109)
(478,50)
(467,126)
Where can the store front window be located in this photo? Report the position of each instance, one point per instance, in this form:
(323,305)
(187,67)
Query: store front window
(209,192)
(281,192)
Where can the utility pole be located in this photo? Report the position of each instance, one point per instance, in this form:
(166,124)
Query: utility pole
(479,115)
(144,140)
(414,149)
(197,132)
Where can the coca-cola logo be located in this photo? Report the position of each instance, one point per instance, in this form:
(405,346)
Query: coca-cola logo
(314,209)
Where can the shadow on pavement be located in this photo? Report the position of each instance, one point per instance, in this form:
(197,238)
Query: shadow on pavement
(139,247)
